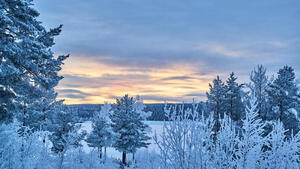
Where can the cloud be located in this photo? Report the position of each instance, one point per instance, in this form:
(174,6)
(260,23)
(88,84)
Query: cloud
(196,94)
(169,49)
(177,78)
(72,91)
(73,94)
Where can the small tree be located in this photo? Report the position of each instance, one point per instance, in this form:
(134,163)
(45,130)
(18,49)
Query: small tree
(101,135)
(64,130)
(129,128)
(251,140)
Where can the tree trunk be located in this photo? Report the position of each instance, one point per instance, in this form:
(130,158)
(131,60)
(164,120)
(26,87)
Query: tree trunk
(124,158)
(104,154)
(280,111)
(61,160)
(100,150)
(133,158)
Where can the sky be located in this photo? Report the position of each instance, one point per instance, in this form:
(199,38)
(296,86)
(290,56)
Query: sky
(167,50)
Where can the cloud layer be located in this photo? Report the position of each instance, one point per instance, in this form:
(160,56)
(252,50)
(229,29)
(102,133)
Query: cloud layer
(167,50)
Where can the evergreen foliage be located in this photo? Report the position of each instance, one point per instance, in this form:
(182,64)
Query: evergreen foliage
(128,126)
(284,98)
(28,68)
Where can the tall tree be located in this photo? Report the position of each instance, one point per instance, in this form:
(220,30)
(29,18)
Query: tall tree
(234,106)
(216,100)
(130,130)
(29,70)
(284,99)
(258,85)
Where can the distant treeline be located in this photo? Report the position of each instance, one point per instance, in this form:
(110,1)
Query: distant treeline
(87,111)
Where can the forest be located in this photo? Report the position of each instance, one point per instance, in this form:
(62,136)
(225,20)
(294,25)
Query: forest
(246,125)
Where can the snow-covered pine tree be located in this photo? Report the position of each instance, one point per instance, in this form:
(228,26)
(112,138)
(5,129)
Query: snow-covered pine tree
(64,132)
(234,106)
(258,85)
(284,99)
(101,135)
(216,101)
(28,67)
(251,140)
(128,126)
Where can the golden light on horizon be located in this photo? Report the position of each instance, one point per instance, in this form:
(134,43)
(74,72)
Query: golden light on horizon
(88,81)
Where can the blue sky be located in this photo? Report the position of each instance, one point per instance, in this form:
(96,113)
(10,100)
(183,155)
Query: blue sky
(170,49)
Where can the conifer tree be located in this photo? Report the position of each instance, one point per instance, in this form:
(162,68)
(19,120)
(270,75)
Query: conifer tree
(284,99)
(258,85)
(29,70)
(216,100)
(234,106)
(101,135)
(130,130)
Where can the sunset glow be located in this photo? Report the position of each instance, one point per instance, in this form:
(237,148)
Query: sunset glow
(167,51)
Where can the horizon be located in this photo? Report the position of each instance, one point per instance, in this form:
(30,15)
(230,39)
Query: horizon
(170,50)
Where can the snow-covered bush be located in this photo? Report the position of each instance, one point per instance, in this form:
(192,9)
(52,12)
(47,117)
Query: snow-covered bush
(185,139)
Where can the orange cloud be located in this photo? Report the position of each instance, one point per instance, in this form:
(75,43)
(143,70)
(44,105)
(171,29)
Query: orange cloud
(90,81)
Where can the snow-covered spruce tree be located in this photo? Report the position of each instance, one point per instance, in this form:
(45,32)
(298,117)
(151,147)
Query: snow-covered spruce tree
(64,132)
(258,85)
(186,139)
(284,99)
(101,135)
(216,101)
(251,141)
(130,131)
(28,66)
(234,106)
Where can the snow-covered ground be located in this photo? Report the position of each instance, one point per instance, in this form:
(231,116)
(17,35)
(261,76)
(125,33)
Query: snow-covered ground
(156,127)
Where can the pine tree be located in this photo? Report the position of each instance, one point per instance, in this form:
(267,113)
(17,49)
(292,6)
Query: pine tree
(284,99)
(234,106)
(101,135)
(130,130)
(28,67)
(258,85)
(216,100)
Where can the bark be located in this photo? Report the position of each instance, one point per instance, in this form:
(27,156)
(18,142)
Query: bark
(100,150)
(61,160)
(124,158)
